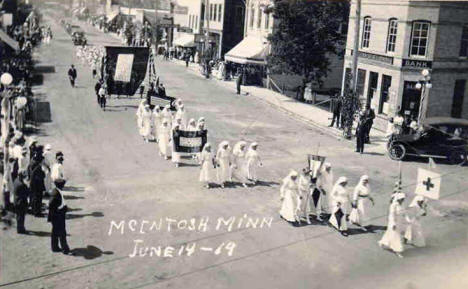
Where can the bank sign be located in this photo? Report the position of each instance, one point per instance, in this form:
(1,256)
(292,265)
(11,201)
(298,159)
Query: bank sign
(416,63)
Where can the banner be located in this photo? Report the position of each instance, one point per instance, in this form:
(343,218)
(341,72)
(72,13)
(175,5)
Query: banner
(428,184)
(315,164)
(125,68)
(189,141)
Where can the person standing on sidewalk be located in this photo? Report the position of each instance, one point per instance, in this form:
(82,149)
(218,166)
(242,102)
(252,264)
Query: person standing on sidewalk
(56,216)
(336,110)
(361,132)
(21,193)
(72,74)
(239,83)
(102,97)
(369,116)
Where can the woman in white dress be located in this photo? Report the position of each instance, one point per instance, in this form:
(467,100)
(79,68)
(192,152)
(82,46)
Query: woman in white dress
(392,238)
(238,167)
(206,161)
(340,206)
(325,183)
(290,199)
(192,125)
(306,205)
(176,156)
(145,130)
(177,103)
(165,139)
(253,161)
(414,233)
(167,114)
(182,114)
(139,113)
(361,202)
(156,119)
(223,162)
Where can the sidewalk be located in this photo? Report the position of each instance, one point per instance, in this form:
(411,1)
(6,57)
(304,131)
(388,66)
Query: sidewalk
(310,114)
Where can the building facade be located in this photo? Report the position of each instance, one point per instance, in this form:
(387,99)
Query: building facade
(399,41)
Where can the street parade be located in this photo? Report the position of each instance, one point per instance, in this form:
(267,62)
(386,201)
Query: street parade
(214,138)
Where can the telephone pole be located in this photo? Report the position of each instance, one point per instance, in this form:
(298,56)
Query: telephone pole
(207,25)
(357,23)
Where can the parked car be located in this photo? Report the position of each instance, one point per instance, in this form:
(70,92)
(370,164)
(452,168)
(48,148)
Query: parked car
(79,38)
(439,137)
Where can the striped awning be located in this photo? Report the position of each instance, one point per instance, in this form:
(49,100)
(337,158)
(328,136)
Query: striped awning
(250,50)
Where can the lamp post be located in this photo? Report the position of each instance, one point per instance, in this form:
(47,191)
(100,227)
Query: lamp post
(424,85)
(6,79)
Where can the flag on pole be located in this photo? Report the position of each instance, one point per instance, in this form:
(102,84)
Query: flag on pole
(315,164)
(428,184)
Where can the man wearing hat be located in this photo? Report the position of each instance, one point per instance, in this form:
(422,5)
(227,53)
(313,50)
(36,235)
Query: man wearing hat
(72,75)
(56,216)
(48,162)
(21,193)
(37,186)
(57,174)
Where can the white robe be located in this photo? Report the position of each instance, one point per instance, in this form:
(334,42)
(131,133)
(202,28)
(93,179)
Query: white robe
(139,113)
(392,238)
(306,203)
(414,233)
(238,171)
(253,161)
(175,155)
(164,141)
(325,182)
(205,166)
(223,169)
(156,123)
(343,226)
(182,115)
(360,215)
(289,206)
(340,194)
(145,130)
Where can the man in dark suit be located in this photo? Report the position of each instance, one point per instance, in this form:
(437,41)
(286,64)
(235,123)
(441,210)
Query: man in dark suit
(21,193)
(361,131)
(336,110)
(37,176)
(72,74)
(239,83)
(57,211)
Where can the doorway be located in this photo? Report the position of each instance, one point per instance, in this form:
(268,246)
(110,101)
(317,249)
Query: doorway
(410,101)
(372,87)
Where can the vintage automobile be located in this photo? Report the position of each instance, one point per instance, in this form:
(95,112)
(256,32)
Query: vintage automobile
(79,38)
(439,137)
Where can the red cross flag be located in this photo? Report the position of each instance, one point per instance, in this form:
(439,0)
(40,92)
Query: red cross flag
(428,184)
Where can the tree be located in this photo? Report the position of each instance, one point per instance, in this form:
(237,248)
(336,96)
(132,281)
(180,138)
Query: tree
(305,34)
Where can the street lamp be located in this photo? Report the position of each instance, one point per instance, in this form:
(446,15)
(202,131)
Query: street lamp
(6,79)
(424,85)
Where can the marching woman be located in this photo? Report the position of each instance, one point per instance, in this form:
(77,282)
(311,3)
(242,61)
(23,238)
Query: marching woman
(139,113)
(177,103)
(239,163)
(167,114)
(304,190)
(179,123)
(201,122)
(223,162)
(414,234)
(340,206)
(392,239)
(325,183)
(361,203)
(175,155)
(206,161)
(253,161)
(182,114)
(145,130)
(156,122)
(192,125)
(290,199)
(164,137)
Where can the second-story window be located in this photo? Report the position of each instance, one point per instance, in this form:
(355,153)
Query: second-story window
(220,12)
(464,42)
(259,18)
(392,35)
(215,14)
(211,12)
(267,21)
(366,32)
(196,22)
(420,38)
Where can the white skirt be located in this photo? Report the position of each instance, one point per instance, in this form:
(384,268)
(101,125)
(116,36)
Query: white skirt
(393,240)
(414,234)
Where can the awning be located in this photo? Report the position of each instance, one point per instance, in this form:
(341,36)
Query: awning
(83,10)
(112,16)
(8,40)
(187,40)
(250,50)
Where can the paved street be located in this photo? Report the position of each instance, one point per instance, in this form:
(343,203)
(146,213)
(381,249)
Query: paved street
(115,176)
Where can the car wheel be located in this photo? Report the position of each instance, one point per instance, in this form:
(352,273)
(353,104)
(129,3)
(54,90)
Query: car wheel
(397,151)
(457,157)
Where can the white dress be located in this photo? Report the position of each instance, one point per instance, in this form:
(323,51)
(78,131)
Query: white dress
(290,201)
(164,141)
(205,163)
(253,161)
(145,130)
(306,202)
(360,215)
(414,233)
(223,157)
(392,238)
(325,182)
(343,226)
(156,123)
(238,166)
(182,115)
(339,195)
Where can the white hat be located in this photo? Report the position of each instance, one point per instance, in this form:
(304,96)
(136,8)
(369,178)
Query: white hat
(293,173)
(364,178)
(342,180)
(48,147)
(416,200)
(327,165)
(399,196)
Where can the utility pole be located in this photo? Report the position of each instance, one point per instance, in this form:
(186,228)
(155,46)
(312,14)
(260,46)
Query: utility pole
(357,23)
(207,24)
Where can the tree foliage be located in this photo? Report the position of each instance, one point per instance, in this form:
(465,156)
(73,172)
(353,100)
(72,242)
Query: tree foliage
(305,34)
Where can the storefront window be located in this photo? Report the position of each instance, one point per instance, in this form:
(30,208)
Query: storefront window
(366,32)
(267,21)
(361,80)
(392,35)
(464,42)
(215,12)
(420,38)
(252,15)
(459,93)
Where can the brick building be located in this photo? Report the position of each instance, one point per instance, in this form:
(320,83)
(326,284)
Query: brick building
(401,38)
